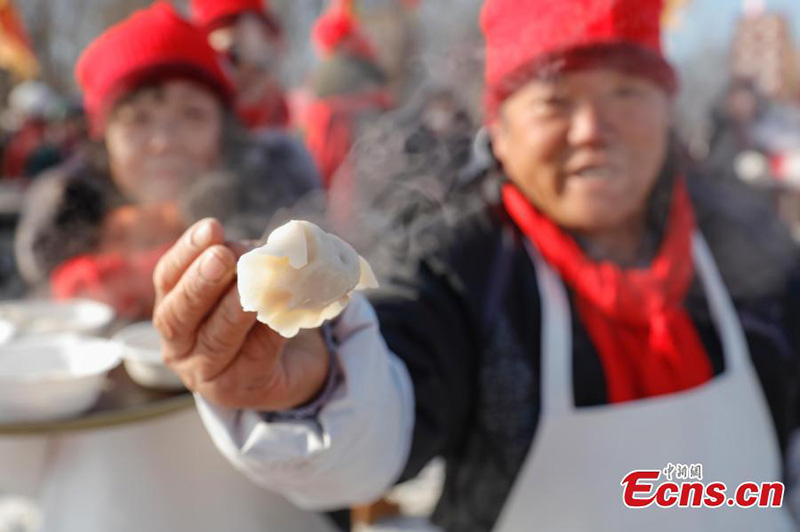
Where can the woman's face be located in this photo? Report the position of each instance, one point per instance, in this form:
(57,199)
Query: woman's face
(162,139)
(586,147)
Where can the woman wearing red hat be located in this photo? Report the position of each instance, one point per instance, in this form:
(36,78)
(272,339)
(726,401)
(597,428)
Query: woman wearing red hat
(601,313)
(249,38)
(348,87)
(169,151)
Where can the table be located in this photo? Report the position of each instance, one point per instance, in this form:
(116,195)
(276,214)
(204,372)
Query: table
(139,460)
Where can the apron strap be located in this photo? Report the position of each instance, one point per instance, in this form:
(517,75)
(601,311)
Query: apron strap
(556,343)
(734,343)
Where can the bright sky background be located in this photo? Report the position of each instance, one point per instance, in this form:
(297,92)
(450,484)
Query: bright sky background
(712,22)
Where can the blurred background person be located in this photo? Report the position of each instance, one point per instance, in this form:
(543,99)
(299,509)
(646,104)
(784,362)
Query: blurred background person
(33,108)
(349,88)
(169,151)
(733,127)
(249,37)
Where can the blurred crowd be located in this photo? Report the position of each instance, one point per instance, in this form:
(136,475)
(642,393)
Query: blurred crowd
(98,202)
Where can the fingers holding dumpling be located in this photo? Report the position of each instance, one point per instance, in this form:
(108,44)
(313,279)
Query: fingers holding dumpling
(179,315)
(253,375)
(179,257)
(220,337)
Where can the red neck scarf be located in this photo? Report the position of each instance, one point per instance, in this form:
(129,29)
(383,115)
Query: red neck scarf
(647,343)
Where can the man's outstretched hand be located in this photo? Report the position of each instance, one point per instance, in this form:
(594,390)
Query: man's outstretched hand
(216,348)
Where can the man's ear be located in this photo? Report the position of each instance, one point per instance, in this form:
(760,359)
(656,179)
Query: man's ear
(498,133)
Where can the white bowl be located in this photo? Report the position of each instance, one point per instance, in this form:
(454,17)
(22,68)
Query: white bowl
(141,352)
(41,316)
(55,377)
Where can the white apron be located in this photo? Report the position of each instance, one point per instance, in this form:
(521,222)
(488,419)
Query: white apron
(571,478)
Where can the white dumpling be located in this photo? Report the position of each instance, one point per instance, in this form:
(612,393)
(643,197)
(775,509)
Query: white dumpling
(301,277)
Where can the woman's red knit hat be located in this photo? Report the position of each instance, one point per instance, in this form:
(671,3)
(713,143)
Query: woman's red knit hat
(152,44)
(526,37)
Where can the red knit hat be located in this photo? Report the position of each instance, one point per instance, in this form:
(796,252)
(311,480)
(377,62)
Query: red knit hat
(152,44)
(525,36)
(337,29)
(214,14)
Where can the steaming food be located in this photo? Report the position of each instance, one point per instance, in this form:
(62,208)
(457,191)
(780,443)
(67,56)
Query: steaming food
(300,278)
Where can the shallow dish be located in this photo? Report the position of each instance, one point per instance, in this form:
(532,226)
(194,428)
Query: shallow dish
(53,377)
(42,316)
(141,352)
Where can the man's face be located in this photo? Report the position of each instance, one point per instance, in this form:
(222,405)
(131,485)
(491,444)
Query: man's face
(585,147)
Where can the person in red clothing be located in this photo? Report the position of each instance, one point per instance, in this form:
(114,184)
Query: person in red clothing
(348,87)
(249,37)
(24,142)
(169,150)
(32,104)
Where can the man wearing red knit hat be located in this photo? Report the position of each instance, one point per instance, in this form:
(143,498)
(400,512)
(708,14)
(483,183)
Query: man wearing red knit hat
(249,36)
(568,334)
